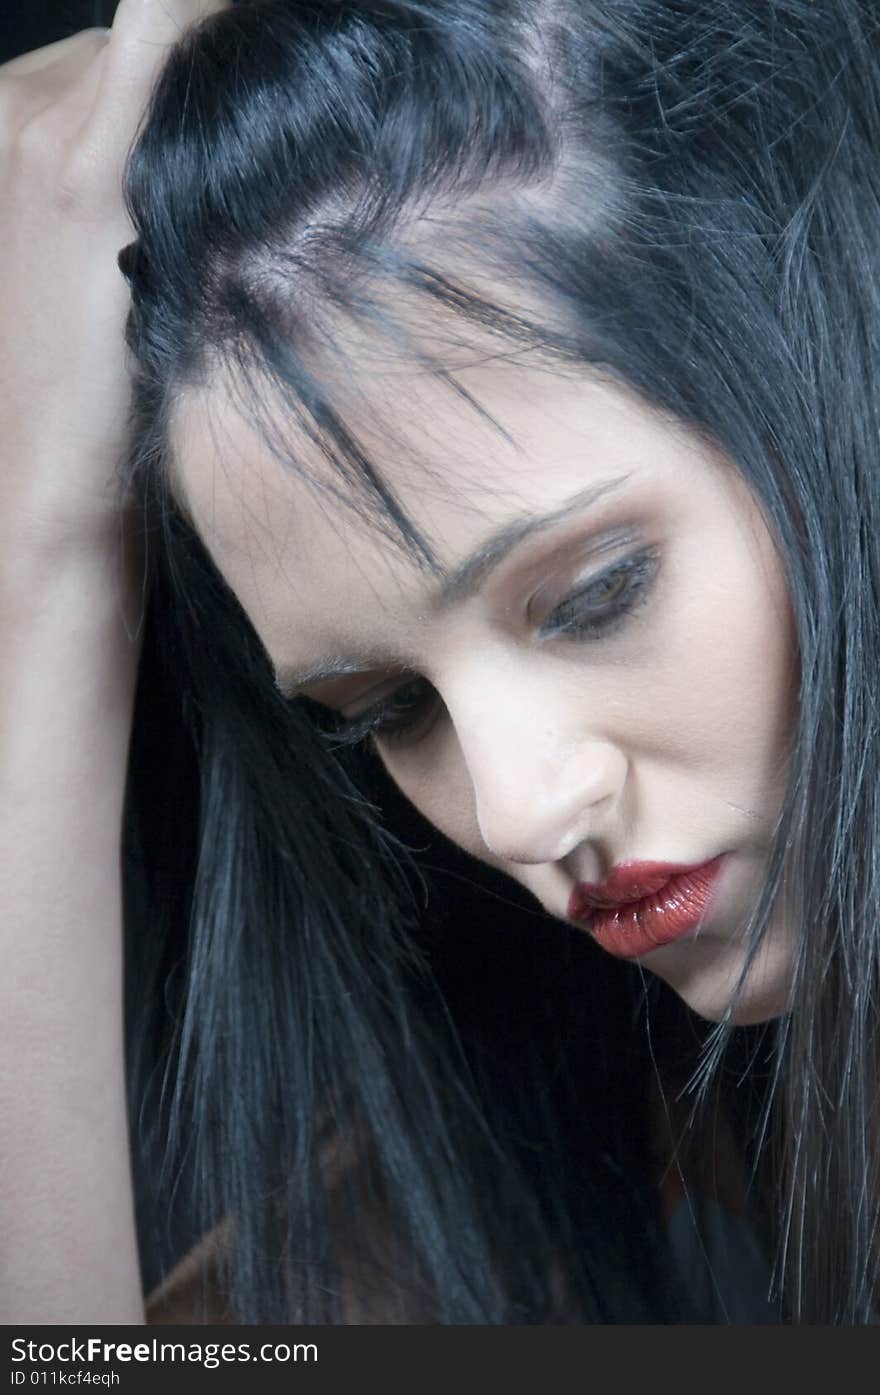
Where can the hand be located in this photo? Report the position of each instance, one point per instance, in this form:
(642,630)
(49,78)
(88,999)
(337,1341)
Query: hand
(68,115)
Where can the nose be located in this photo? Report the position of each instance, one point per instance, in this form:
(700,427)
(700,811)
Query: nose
(541,784)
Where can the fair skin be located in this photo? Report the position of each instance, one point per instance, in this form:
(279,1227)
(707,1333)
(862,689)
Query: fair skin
(550,756)
(70,607)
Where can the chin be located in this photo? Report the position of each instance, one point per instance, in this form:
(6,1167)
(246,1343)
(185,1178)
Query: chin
(750,1009)
(707,981)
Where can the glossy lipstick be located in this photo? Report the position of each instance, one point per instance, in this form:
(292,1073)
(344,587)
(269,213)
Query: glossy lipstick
(643,905)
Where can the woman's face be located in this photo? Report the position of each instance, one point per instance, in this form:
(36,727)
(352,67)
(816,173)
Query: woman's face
(604,672)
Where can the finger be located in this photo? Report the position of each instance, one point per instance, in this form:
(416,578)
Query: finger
(141,38)
(151,17)
(64,53)
(142,35)
(57,85)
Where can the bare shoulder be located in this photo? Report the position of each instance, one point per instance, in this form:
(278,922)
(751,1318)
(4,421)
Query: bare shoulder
(190,1293)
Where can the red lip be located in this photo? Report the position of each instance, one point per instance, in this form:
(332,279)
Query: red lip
(642,905)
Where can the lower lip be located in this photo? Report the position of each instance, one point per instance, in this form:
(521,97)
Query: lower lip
(674,912)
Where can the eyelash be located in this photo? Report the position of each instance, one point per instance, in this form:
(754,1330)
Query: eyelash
(638,571)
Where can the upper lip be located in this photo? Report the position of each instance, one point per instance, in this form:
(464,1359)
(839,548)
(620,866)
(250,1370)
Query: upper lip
(629,881)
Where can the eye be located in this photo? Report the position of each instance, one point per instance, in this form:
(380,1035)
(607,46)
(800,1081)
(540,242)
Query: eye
(408,713)
(600,607)
(591,611)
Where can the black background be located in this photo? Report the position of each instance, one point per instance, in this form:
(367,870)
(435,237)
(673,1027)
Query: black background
(27,24)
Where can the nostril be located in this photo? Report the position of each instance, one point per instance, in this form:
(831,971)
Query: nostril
(528,834)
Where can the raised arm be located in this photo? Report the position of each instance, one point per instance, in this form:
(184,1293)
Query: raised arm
(70,601)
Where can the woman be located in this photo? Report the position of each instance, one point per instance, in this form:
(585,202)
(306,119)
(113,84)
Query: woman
(502,405)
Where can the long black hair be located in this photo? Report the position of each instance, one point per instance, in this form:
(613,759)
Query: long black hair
(684,197)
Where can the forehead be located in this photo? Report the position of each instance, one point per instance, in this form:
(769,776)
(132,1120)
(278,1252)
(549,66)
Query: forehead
(528,439)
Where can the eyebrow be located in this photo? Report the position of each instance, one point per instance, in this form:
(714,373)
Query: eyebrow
(463,581)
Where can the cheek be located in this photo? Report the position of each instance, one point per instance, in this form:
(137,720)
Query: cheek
(723,671)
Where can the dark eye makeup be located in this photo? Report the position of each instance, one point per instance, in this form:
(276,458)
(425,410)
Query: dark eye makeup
(592,611)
